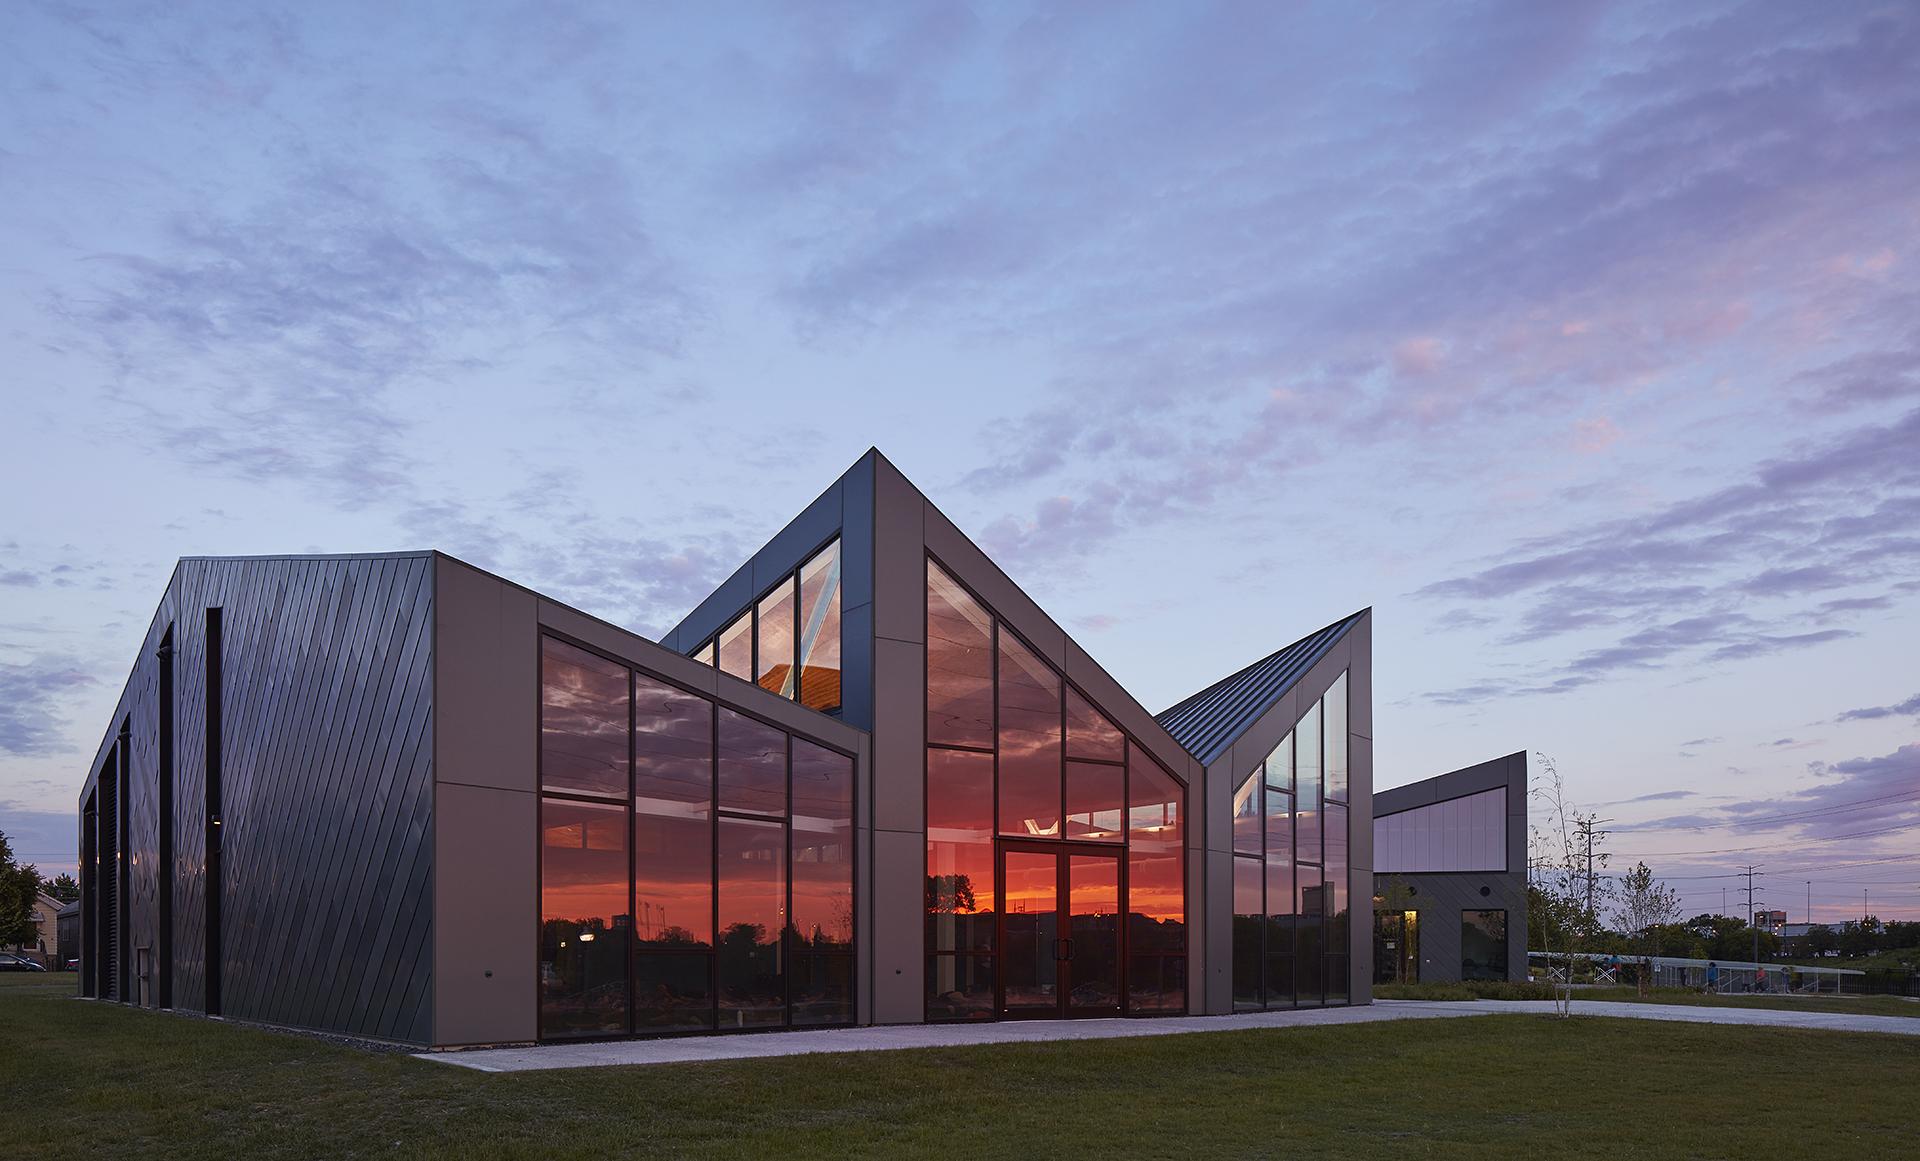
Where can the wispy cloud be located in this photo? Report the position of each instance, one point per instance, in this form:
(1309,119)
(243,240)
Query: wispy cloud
(1806,506)
(34,698)
(1909,707)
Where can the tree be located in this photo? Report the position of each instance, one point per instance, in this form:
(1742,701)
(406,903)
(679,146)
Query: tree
(1857,938)
(18,886)
(1821,940)
(62,887)
(950,895)
(1642,905)
(1559,887)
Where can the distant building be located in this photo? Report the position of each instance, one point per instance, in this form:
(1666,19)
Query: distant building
(44,946)
(66,923)
(1774,921)
(1450,876)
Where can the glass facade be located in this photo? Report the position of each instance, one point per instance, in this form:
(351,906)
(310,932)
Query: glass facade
(1056,859)
(696,864)
(788,641)
(1290,866)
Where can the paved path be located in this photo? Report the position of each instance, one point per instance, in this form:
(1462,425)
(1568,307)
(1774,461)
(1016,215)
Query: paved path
(738,1047)
(1690,1014)
(878,1039)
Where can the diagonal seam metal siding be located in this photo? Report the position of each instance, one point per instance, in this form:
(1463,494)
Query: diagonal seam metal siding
(1209,721)
(327,786)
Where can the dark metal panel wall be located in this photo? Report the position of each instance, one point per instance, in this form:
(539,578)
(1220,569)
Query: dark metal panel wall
(186,608)
(327,790)
(327,794)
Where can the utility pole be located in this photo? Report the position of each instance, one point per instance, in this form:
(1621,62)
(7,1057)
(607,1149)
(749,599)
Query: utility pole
(1750,873)
(1809,903)
(1587,834)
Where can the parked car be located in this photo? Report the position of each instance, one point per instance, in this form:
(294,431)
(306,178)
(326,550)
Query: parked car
(14,963)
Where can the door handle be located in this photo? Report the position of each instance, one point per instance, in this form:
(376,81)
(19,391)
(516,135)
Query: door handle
(1069,956)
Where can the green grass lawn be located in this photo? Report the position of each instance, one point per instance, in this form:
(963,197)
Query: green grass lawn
(98,1080)
(1901,959)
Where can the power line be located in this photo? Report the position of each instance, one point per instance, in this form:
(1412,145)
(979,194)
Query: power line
(1778,846)
(1810,812)
(1803,870)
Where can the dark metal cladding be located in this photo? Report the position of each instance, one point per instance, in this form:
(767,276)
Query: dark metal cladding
(325,835)
(1209,721)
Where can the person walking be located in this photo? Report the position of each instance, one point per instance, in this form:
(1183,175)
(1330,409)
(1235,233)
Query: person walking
(1713,977)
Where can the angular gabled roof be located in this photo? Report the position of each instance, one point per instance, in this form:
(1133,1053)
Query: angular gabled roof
(1209,721)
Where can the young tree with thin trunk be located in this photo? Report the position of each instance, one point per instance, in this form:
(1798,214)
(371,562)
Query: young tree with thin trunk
(1642,905)
(1561,920)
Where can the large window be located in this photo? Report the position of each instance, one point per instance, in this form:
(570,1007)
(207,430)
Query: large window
(788,641)
(1020,764)
(696,863)
(1290,875)
(1483,945)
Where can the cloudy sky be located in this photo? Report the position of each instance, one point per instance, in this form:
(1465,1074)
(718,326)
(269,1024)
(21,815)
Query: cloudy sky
(1580,341)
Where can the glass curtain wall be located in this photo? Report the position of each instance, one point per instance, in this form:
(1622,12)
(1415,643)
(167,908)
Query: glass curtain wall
(1015,754)
(788,641)
(1290,871)
(696,864)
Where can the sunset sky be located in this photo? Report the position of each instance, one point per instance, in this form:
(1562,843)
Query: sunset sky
(1582,342)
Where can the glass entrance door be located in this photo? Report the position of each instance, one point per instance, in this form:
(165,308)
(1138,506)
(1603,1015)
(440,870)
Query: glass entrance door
(1060,931)
(1396,947)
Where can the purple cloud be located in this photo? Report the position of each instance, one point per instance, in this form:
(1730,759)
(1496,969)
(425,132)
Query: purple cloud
(34,695)
(1909,707)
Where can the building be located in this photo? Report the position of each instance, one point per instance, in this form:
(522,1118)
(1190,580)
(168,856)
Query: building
(44,947)
(1774,921)
(868,780)
(1450,876)
(66,923)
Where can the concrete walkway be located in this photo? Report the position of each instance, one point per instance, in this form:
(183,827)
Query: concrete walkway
(1688,1014)
(895,1036)
(680,1050)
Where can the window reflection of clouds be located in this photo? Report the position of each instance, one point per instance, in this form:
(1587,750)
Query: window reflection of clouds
(587,932)
(583,721)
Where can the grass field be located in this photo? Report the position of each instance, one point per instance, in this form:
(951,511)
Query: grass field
(97,1080)
(1847,1005)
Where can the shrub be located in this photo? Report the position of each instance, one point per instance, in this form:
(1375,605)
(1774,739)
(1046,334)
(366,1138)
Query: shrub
(1466,990)
(1421,992)
(1509,990)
